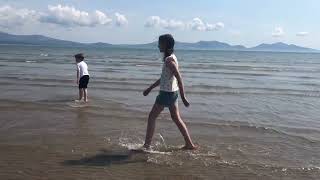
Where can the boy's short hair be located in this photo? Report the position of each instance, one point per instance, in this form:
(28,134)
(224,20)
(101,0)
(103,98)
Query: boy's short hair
(79,56)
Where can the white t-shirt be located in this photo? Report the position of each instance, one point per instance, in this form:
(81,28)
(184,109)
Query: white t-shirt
(82,68)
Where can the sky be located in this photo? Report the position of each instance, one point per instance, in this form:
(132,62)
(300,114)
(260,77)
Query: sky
(245,22)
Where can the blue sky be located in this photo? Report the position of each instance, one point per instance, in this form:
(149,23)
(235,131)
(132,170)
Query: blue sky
(246,22)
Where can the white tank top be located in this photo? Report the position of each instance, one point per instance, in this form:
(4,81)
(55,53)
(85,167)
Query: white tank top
(168,81)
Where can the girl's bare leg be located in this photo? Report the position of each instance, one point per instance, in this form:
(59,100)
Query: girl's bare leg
(154,113)
(175,115)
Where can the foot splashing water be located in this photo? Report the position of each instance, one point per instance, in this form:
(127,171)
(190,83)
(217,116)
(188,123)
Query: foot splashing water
(164,154)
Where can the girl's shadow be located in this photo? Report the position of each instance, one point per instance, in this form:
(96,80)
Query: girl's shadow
(105,158)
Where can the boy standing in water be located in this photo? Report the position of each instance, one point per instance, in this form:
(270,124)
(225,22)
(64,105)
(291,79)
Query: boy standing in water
(170,83)
(82,77)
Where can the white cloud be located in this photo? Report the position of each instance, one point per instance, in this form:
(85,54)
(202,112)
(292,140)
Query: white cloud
(199,25)
(215,27)
(302,34)
(69,16)
(121,19)
(153,21)
(66,16)
(156,21)
(278,32)
(13,17)
(195,24)
(174,24)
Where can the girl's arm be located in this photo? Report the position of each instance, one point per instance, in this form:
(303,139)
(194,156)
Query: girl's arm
(154,85)
(174,68)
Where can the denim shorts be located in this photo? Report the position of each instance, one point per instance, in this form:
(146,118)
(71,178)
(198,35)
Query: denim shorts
(167,99)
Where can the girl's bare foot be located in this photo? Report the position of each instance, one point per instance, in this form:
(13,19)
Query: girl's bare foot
(145,146)
(190,147)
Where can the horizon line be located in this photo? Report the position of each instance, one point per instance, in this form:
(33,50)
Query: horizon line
(247,47)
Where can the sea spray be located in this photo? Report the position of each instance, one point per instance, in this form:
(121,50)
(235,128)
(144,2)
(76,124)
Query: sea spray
(162,139)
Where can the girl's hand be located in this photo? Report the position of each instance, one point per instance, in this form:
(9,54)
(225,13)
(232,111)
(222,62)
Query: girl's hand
(146,92)
(185,102)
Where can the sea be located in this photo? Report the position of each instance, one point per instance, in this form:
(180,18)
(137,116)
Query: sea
(253,115)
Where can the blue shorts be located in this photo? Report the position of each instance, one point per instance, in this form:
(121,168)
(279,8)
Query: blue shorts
(167,99)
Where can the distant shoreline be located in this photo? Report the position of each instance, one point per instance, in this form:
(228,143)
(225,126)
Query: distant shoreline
(150,48)
(39,40)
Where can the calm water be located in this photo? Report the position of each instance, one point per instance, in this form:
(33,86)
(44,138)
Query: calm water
(253,114)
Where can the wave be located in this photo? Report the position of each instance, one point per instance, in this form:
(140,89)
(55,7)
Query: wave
(44,54)
(208,156)
(247,74)
(256,66)
(116,80)
(203,86)
(255,91)
(260,129)
(134,87)
(31,61)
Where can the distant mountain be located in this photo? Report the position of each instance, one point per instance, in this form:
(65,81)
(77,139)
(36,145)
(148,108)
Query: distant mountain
(6,38)
(216,45)
(99,44)
(209,45)
(281,47)
(201,45)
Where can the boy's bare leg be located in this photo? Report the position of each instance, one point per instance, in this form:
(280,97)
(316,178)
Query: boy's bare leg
(175,115)
(154,113)
(85,94)
(80,93)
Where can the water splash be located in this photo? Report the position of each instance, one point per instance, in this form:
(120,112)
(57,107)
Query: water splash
(163,141)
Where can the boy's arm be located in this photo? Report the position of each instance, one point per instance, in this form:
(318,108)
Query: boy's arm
(78,75)
(154,85)
(174,68)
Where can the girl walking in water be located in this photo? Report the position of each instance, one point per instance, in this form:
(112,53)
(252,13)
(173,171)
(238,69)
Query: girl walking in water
(170,83)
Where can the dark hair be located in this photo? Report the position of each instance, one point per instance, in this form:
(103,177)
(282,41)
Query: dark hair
(169,42)
(79,56)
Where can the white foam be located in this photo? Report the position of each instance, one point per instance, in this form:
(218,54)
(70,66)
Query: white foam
(77,104)
(130,145)
(31,61)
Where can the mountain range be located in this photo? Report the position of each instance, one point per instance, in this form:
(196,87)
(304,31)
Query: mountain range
(40,40)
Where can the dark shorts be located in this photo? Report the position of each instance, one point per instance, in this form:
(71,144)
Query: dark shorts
(167,99)
(83,82)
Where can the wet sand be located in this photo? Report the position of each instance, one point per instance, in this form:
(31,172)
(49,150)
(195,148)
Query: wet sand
(41,141)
